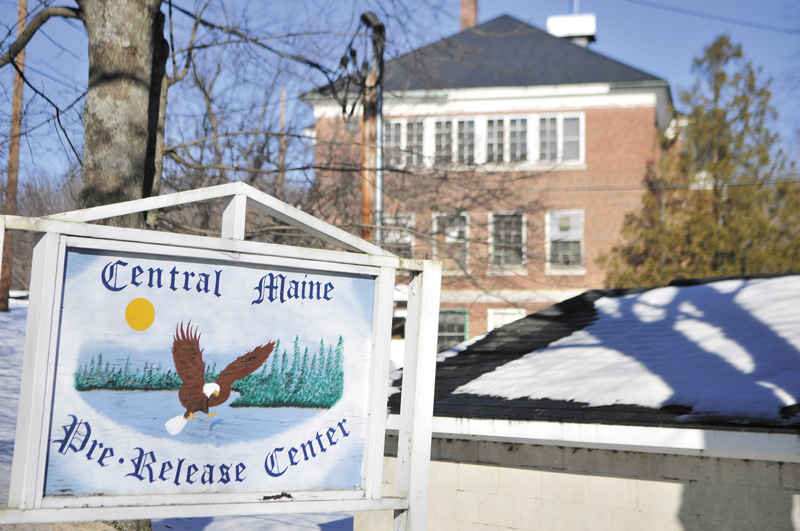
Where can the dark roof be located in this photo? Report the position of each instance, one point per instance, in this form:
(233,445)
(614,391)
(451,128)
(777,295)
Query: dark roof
(505,52)
(773,352)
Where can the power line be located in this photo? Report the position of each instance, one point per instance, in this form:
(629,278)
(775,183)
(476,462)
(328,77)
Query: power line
(718,18)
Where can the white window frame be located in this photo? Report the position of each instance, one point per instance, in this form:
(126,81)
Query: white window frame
(480,141)
(533,138)
(457,144)
(400,147)
(508,139)
(569,270)
(447,144)
(392,219)
(410,157)
(494,268)
(520,313)
(453,311)
(504,140)
(454,271)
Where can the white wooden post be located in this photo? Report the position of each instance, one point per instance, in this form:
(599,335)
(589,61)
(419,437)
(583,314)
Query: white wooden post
(416,404)
(382,337)
(233,217)
(26,474)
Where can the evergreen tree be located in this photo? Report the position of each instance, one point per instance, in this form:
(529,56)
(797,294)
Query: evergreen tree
(313,383)
(338,372)
(321,372)
(301,388)
(711,208)
(294,372)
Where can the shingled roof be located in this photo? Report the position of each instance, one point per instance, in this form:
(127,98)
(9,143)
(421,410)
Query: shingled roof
(503,52)
(506,52)
(722,354)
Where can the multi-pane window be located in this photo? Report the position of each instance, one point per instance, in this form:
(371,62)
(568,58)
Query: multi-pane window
(444,142)
(392,148)
(565,235)
(466,141)
(572,139)
(559,139)
(553,138)
(518,139)
(395,239)
(548,140)
(452,329)
(451,241)
(494,141)
(414,141)
(507,240)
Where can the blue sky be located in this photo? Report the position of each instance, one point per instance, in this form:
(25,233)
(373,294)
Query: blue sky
(653,39)
(664,43)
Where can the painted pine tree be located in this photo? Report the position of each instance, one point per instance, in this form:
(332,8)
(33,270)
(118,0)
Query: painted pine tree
(309,380)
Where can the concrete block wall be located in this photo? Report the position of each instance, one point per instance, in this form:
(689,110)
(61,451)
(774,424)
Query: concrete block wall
(489,486)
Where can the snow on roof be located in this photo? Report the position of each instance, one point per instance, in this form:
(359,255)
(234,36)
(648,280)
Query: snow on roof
(726,350)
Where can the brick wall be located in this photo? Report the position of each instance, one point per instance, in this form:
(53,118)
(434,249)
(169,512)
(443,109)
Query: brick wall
(489,486)
(619,154)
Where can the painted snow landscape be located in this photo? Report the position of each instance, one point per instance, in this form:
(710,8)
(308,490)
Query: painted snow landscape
(290,385)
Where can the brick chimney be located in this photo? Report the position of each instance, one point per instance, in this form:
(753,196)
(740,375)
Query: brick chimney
(469,14)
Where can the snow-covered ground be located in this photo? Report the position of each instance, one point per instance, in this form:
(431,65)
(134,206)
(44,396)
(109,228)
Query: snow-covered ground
(12,342)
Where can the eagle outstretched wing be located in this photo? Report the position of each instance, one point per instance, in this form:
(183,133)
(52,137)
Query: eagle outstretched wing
(239,368)
(189,363)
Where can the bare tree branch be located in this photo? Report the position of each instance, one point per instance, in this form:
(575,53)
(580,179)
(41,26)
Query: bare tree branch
(58,110)
(227,167)
(176,76)
(37,22)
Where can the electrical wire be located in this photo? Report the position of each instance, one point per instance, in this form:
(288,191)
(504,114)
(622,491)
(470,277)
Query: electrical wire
(717,18)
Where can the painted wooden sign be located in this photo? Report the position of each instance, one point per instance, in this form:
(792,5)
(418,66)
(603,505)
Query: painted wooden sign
(169,375)
(181,376)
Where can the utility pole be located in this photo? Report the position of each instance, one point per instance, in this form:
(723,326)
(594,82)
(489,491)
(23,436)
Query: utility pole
(13,161)
(372,178)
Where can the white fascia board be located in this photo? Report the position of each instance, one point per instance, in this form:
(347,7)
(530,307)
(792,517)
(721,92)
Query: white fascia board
(473,296)
(505,93)
(328,108)
(500,100)
(506,106)
(730,444)
(664,111)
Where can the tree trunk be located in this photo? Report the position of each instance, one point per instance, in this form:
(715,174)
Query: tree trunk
(116,113)
(157,108)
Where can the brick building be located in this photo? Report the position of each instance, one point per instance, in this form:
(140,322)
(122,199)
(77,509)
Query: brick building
(512,155)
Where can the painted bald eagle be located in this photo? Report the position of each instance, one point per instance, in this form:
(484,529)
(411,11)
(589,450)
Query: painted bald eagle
(196,394)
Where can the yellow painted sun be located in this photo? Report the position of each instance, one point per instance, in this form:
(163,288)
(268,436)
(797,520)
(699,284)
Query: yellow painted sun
(140,314)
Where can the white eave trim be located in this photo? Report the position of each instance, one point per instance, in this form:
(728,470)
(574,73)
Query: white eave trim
(731,444)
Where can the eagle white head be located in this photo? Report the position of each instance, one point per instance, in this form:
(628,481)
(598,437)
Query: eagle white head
(210,389)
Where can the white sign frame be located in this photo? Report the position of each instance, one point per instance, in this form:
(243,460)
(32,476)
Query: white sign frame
(27,502)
